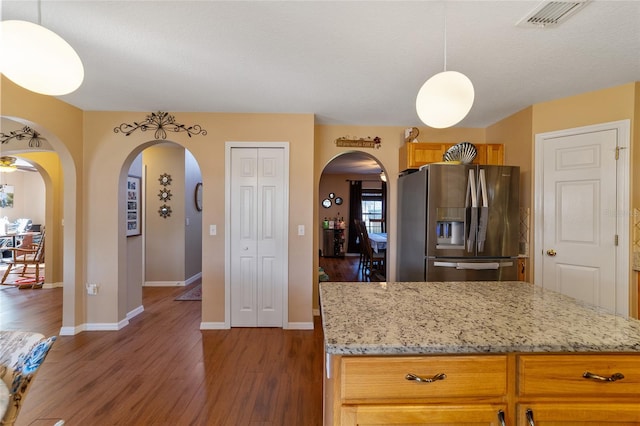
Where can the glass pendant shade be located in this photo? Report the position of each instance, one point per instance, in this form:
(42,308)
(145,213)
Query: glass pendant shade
(38,59)
(445,99)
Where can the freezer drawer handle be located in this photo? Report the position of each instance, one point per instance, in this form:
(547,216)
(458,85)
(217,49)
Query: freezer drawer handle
(439,376)
(474,266)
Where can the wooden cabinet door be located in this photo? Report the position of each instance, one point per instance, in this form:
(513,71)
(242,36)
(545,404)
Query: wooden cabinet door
(459,415)
(494,154)
(570,414)
(416,154)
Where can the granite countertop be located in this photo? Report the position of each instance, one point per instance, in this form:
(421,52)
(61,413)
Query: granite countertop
(407,318)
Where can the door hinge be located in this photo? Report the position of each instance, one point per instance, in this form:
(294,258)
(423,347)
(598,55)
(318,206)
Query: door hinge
(618,148)
(615,240)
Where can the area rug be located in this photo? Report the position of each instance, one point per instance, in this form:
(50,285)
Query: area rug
(194,293)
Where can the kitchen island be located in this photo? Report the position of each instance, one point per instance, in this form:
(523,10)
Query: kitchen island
(482,352)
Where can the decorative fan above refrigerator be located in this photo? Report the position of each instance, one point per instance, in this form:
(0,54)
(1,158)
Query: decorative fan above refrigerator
(463,152)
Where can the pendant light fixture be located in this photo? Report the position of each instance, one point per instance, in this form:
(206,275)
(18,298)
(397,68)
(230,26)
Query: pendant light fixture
(38,59)
(446,98)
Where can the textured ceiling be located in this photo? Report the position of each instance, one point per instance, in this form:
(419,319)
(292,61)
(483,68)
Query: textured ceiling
(347,62)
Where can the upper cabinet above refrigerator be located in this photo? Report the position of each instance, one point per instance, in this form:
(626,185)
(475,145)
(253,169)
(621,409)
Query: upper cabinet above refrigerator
(416,154)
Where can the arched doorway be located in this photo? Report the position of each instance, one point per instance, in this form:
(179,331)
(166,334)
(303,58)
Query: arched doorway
(166,248)
(351,191)
(45,153)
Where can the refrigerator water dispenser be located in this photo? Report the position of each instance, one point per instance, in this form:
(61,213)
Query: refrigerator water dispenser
(450,227)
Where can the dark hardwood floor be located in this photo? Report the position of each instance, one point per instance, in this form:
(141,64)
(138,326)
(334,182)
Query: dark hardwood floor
(346,268)
(162,370)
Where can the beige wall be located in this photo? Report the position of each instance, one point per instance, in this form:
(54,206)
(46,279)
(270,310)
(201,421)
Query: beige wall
(164,237)
(94,162)
(107,152)
(62,125)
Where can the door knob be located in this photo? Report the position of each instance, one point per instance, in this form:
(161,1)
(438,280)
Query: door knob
(551,252)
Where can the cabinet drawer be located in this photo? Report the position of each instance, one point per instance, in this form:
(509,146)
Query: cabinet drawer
(548,375)
(471,414)
(597,414)
(366,379)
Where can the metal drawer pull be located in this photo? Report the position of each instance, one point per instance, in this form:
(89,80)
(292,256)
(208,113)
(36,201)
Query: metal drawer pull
(529,414)
(612,378)
(501,418)
(439,376)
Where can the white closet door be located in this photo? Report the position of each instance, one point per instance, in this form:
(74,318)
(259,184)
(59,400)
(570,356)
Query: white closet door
(257,220)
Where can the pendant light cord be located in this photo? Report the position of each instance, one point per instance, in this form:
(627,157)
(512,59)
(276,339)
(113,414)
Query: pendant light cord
(39,13)
(445,35)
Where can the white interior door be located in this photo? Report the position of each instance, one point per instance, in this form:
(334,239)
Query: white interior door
(579,249)
(257,239)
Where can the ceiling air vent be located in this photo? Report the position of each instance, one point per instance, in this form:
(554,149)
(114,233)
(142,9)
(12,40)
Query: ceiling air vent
(551,13)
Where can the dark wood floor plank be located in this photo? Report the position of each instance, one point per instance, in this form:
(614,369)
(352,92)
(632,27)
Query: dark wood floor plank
(162,370)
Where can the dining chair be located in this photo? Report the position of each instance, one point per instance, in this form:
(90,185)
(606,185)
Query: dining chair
(373,264)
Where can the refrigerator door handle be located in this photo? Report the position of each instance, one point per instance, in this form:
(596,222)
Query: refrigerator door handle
(484,211)
(472,193)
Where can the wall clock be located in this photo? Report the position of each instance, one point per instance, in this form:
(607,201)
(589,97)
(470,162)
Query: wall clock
(198,196)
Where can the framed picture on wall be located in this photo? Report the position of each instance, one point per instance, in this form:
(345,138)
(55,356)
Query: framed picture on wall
(133,206)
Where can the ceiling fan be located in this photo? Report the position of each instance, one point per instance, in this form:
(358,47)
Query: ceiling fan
(9,164)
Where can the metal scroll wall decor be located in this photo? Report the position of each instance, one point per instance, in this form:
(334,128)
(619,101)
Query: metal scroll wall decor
(26,132)
(161,122)
(165,195)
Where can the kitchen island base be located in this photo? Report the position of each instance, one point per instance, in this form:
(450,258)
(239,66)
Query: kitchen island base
(510,389)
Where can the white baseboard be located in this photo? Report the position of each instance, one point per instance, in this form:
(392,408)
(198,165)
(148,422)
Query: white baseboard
(94,326)
(53,285)
(135,312)
(193,278)
(300,326)
(163,284)
(71,331)
(213,326)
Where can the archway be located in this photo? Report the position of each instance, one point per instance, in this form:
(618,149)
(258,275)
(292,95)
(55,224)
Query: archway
(52,159)
(166,249)
(350,188)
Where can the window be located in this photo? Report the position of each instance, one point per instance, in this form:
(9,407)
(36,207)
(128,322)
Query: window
(372,210)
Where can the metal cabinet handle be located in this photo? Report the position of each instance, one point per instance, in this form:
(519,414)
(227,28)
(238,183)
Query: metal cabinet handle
(614,377)
(501,418)
(551,252)
(529,414)
(439,376)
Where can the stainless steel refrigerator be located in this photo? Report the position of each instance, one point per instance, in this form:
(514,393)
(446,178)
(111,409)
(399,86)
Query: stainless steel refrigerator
(458,223)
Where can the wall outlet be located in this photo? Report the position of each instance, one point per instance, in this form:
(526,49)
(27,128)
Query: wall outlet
(92,289)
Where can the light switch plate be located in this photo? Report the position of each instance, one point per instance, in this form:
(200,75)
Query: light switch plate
(300,229)
(212,230)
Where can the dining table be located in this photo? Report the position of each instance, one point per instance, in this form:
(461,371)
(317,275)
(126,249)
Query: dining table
(378,241)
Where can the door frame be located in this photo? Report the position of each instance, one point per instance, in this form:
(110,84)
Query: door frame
(623,213)
(228,147)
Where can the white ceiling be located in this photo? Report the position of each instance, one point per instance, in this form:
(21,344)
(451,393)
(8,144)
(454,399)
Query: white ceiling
(347,62)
